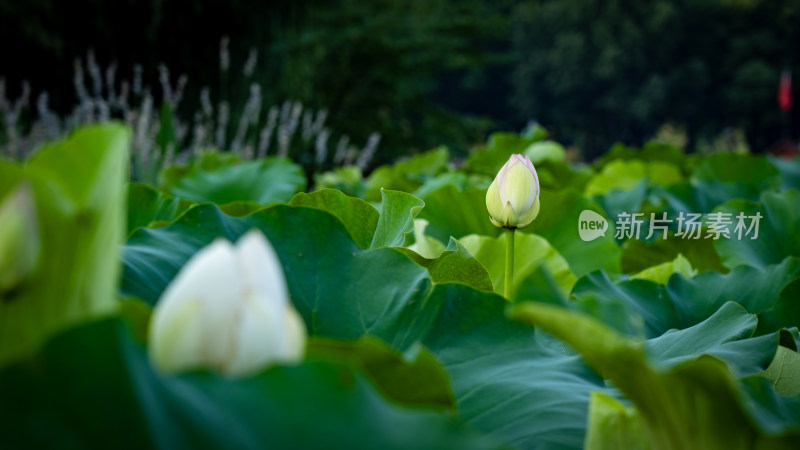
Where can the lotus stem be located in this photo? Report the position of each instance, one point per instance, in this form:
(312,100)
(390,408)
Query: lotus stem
(509,262)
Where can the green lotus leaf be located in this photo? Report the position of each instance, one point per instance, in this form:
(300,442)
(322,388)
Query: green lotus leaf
(147,205)
(424,245)
(638,255)
(624,175)
(273,180)
(558,223)
(789,170)
(662,272)
(407,175)
(345,292)
(613,425)
(322,403)
(542,151)
(784,372)
(535,263)
(778,228)
(359,217)
(511,382)
(413,379)
(454,264)
(717,179)
(499,148)
(455,209)
(685,397)
(684,302)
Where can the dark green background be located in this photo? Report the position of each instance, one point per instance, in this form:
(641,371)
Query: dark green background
(430,72)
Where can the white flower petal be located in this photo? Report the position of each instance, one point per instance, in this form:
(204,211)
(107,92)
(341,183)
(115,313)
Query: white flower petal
(260,333)
(228,309)
(294,343)
(262,269)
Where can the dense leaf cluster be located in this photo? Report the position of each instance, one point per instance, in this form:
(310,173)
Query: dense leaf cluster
(612,343)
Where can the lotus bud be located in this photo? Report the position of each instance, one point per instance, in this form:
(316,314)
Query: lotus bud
(513,196)
(19,237)
(228,310)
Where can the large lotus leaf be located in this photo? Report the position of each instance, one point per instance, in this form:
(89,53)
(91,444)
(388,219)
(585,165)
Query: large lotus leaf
(534,131)
(620,174)
(147,205)
(535,262)
(660,273)
(556,175)
(784,372)
(789,170)
(208,160)
(772,412)
(629,201)
(663,316)
(516,384)
(691,401)
(407,175)
(633,307)
(541,151)
(614,426)
(359,217)
(234,209)
(345,292)
(651,151)
(558,223)
(778,230)
(396,220)
(369,227)
(499,148)
(726,335)
(624,175)
(347,179)
(459,179)
(273,180)
(766,292)
(726,176)
(455,264)
(110,396)
(340,290)
(424,245)
(638,255)
(78,188)
(152,258)
(454,211)
(684,302)
(784,312)
(682,197)
(413,379)
(718,179)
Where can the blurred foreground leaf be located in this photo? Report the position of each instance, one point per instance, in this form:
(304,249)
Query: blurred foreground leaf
(79,190)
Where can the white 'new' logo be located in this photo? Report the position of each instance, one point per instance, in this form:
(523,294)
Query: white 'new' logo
(591,225)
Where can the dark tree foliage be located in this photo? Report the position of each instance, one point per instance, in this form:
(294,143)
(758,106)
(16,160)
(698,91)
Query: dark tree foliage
(403,67)
(600,71)
(431,72)
(420,72)
(48,35)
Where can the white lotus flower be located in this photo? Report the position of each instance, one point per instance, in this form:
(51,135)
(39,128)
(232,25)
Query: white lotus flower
(228,309)
(513,197)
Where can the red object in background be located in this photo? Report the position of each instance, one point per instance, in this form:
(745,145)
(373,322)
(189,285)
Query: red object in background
(785,92)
